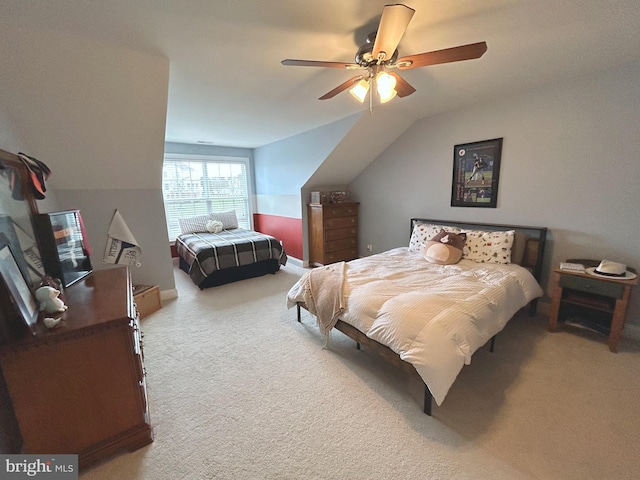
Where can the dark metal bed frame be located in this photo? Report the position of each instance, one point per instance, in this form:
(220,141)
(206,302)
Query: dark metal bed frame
(532,260)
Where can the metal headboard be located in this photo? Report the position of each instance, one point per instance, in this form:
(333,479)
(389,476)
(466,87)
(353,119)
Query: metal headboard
(534,249)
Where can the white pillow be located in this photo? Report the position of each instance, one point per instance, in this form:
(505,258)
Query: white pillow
(488,247)
(423,232)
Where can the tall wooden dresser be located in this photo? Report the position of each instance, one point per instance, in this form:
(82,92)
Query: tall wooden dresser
(333,232)
(80,388)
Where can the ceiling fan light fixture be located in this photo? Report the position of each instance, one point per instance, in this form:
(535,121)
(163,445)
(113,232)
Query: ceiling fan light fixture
(389,96)
(360,90)
(375,59)
(385,84)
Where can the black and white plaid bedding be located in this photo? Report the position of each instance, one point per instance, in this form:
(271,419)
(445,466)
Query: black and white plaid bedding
(209,252)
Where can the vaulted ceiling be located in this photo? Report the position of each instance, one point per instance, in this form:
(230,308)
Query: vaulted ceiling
(228,87)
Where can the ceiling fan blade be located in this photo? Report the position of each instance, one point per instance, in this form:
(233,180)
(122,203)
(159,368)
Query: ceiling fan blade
(454,54)
(318,63)
(403,87)
(394,22)
(342,87)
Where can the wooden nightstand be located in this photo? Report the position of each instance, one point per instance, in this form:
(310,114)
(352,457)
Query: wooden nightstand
(609,296)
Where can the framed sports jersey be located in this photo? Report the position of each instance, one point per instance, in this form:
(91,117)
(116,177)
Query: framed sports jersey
(476,171)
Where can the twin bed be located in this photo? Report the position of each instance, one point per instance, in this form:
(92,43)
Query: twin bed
(213,251)
(425,317)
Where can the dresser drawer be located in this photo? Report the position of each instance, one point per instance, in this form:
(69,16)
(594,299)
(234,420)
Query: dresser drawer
(337,210)
(340,222)
(341,244)
(340,255)
(339,233)
(589,285)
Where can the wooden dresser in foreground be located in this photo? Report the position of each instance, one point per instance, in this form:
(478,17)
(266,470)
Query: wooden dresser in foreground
(333,232)
(80,388)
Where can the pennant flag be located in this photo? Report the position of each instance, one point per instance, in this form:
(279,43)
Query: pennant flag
(122,247)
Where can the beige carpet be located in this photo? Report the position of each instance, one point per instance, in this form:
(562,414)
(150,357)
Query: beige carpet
(239,390)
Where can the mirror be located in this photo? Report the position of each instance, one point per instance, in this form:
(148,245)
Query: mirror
(17,208)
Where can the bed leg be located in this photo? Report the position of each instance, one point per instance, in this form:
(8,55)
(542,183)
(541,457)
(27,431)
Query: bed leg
(493,343)
(428,398)
(358,345)
(298,310)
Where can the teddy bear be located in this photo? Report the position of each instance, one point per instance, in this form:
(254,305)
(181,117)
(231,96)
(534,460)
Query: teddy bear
(445,248)
(49,301)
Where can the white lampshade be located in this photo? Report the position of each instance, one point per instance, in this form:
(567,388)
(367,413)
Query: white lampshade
(386,98)
(359,91)
(385,85)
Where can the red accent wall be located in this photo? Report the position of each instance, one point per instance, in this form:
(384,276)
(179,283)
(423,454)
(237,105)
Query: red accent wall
(286,229)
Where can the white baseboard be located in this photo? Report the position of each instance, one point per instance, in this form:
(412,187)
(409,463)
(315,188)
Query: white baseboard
(296,261)
(168,294)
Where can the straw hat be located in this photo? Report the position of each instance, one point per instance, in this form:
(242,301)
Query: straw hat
(609,269)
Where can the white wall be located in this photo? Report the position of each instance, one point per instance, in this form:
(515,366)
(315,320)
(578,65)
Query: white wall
(570,162)
(283,167)
(10,138)
(95,114)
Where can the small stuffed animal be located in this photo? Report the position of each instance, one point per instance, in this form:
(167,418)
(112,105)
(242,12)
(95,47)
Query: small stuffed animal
(49,301)
(445,248)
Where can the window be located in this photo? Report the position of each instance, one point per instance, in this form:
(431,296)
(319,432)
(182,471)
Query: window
(200,184)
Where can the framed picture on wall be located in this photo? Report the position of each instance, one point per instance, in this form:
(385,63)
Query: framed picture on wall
(476,171)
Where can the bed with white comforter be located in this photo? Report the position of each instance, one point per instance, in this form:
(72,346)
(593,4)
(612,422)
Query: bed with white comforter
(433,316)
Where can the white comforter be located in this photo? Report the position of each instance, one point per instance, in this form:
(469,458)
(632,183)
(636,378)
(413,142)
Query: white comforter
(434,316)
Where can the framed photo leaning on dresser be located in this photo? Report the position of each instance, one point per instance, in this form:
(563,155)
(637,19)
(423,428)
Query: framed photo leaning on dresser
(17,288)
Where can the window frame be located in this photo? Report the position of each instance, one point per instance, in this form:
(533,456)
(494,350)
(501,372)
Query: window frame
(189,157)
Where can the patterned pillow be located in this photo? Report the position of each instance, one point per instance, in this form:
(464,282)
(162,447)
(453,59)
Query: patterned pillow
(194,224)
(423,232)
(198,224)
(229,219)
(488,247)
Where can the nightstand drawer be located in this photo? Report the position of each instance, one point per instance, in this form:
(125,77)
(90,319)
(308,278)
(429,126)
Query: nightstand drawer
(608,289)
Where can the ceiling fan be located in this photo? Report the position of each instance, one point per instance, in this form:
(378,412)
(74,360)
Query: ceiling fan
(380,54)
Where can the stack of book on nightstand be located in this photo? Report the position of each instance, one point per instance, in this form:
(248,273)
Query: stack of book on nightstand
(574,267)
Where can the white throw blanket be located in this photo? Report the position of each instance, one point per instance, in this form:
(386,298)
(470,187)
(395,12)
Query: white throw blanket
(323,294)
(433,316)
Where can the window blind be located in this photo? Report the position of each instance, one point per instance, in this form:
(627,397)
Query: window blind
(197,186)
